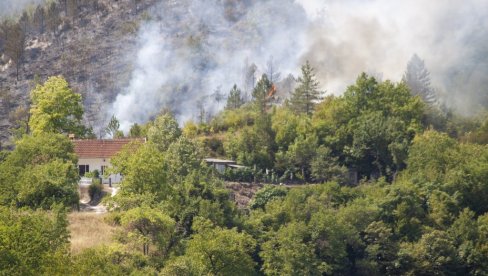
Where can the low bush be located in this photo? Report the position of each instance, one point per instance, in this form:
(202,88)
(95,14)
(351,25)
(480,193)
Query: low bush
(264,195)
(239,175)
(95,189)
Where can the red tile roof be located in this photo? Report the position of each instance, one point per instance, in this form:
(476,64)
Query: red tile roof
(94,148)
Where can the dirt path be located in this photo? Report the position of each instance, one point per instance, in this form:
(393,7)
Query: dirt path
(88,227)
(99,209)
(94,206)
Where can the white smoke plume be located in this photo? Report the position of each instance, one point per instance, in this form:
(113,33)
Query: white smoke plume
(191,48)
(350,36)
(14,7)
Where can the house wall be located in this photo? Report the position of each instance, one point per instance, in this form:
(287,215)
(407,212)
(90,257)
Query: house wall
(96,164)
(220,167)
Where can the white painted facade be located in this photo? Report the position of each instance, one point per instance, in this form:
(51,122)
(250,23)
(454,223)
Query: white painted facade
(97,164)
(219,164)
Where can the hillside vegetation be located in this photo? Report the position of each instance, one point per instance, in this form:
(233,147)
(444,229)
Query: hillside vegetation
(85,41)
(381,180)
(420,207)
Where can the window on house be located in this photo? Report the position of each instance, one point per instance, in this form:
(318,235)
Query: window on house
(103,170)
(84,169)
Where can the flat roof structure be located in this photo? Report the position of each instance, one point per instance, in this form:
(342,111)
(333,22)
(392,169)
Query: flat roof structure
(219,161)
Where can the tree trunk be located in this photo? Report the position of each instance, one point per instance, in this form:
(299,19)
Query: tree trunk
(18,69)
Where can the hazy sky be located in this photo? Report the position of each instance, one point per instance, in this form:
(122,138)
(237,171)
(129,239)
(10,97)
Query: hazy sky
(11,7)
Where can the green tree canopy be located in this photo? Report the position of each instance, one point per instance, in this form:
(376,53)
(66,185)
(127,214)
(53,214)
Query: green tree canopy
(217,251)
(371,126)
(56,108)
(438,162)
(183,157)
(144,169)
(434,253)
(147,226)
(290,253)
(235,99)
(135,131)
(113,127)
(33,242)
(307,93)
(40,171)
(260,94)
(164,131)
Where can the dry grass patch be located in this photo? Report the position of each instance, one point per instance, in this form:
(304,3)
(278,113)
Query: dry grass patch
(88,230)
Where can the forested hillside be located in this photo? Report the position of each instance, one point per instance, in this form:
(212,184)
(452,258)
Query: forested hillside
(131,58)
(88,42)
(419,208)
(383,178)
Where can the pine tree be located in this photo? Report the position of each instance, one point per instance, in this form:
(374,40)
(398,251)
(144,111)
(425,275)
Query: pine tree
(249,77)
(417,77)
(40,19)
(135,131)
(15,45)
(260,94)
(272,71)
(113,127)
(235,99)
(307,92)
(52,17)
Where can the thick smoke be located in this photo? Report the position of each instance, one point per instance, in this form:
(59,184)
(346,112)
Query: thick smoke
(14,7)
(193,52)
(193,48)
(348,37)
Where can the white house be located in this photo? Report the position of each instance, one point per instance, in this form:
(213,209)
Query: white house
(94,154)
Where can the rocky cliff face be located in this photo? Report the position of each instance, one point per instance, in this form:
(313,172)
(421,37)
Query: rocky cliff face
(91,48)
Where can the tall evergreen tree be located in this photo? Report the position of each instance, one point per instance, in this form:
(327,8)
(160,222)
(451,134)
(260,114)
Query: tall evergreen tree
(40,19)
(235,99)
(135,131)
(272,70)
(113,126)
(249,78)
(307,93)
(417,77)
(260,94)
(15,45)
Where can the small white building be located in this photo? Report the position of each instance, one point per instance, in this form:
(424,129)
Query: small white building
(221,164)
(95,154)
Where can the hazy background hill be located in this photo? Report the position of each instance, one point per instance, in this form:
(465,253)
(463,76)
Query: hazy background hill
(92,49)
(133,58)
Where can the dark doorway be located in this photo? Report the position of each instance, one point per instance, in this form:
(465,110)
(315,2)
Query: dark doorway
(84,169)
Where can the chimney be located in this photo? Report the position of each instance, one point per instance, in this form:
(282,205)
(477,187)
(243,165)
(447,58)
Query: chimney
(71,136)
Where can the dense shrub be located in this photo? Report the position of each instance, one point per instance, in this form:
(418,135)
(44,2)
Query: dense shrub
(266,194)
(240,175)
(95,189)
